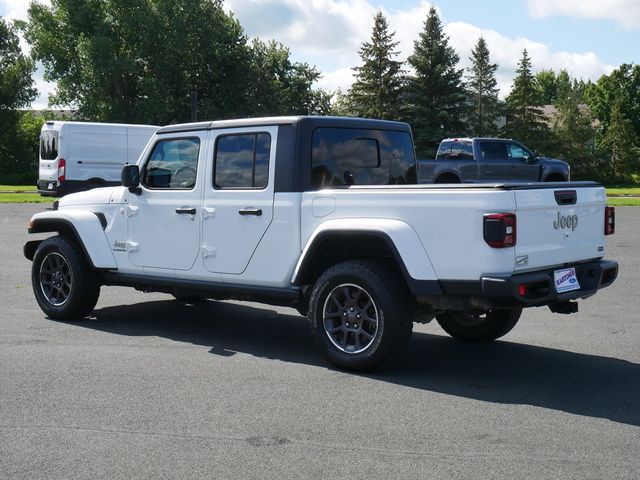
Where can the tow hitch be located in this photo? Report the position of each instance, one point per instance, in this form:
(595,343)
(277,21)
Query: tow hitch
(564,307)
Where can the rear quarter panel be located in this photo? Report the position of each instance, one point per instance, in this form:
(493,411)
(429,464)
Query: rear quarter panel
(448,222)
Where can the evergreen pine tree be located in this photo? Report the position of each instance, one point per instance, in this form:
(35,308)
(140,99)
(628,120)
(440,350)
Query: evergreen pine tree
(436,99)
(525,120)
(376,91)
(482,91)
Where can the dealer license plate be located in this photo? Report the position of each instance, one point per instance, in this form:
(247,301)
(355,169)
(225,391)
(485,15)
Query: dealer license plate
(566,280)
(50,186)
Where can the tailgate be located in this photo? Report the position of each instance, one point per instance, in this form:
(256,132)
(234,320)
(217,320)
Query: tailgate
(559,225)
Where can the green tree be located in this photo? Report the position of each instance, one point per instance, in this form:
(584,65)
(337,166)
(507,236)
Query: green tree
(620,146)
(547,87)
(483,91)
(525,120)
(16,91)
(621,88)
(279,86)
(436,99)
(140,61)
(378,81)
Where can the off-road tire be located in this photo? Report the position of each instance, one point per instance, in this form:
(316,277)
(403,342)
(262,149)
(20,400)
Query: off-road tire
(391,301)
(77,299)
(491,325)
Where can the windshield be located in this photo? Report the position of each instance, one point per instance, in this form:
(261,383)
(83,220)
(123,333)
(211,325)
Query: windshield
(49,145)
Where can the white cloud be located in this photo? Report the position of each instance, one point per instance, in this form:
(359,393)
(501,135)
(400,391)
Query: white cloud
(328,34)
(506,52)
(625,12)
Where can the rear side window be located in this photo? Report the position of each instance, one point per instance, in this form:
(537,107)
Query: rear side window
(343,156)
(49,145)
(242,161)
(173,164)
(517,151)
(493,150)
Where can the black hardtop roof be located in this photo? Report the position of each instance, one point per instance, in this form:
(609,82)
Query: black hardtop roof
(308,121)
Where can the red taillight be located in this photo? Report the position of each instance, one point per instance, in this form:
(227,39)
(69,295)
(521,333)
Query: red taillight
(499,229)
(522,290)
(61,169)
(609,220)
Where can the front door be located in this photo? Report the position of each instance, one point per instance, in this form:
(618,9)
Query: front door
(520,169)
(163,221)
(238,199)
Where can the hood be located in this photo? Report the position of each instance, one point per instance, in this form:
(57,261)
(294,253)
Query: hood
(96,196)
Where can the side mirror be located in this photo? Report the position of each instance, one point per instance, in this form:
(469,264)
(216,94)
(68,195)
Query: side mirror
(532,159)
(130,177)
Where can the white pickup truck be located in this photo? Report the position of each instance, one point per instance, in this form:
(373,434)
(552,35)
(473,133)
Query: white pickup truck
(324,214)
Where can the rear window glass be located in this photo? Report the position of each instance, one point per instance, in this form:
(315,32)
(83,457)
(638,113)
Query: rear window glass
(443,151)
(461,151)
(49,145)
(343,156)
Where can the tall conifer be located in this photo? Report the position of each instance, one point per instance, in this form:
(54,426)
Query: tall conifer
(376,91)
(483,91)
(436,98)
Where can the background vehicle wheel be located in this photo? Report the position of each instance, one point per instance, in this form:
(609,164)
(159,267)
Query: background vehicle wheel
(479,327)
(64,284)
(360,315)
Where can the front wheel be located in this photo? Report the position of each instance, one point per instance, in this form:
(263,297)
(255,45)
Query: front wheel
(359,313)
(64,284)
(479,326)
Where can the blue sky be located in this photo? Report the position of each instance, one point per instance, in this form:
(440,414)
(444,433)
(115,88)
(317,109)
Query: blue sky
(587,37)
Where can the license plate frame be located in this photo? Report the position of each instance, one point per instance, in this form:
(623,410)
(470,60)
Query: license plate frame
(565,280)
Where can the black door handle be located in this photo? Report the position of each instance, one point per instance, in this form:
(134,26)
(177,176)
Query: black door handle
(188,211)
(250,211)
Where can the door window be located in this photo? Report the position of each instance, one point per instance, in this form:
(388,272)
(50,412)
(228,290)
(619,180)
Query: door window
(517,151)
(173,164)
(242,161)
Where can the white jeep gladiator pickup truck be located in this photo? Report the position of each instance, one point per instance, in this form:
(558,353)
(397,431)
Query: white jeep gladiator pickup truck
(324,214)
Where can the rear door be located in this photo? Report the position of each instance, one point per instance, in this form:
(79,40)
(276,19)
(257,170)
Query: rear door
(49,154)
(238,197)
(493,161)
(551,230)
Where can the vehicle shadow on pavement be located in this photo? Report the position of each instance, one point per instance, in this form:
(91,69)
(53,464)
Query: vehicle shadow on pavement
(498,372)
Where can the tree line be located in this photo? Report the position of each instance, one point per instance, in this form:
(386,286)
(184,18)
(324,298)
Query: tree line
(143,61)
(593,126)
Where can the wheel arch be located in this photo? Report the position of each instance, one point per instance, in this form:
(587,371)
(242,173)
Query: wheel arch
(391,241)
(85,227)
(447,174)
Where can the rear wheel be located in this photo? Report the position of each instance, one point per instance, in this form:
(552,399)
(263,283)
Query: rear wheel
(479,326)
(64,284)
(360,315)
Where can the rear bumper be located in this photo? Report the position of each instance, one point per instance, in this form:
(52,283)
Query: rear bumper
(504,291)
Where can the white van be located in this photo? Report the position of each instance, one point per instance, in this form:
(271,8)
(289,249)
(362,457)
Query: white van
(77,156)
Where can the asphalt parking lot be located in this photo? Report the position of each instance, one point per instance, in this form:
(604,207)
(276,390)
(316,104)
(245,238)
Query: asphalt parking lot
(150,388)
